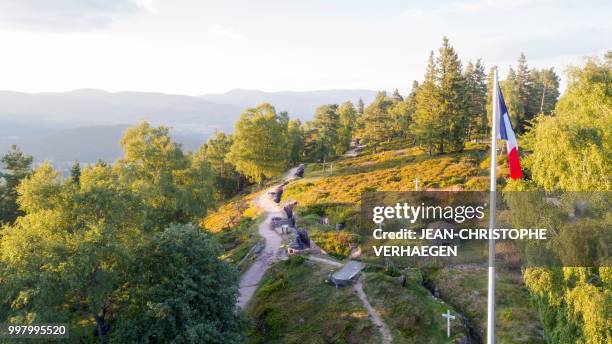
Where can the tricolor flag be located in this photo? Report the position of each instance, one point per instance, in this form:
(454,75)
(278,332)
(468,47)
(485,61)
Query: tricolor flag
(507,134)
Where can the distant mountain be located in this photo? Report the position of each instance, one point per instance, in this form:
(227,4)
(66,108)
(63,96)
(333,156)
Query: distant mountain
(84,144)
(87,107)
(86,124)
(299,104)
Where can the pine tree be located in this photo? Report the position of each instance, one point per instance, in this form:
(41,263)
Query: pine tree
(477,98)
(525,98)
(401,118)
(454,110)
(360,107)
(511,91)
(348,118)
(545,90)
(376,120)
(17,166)
(410,102)
(295,132)
(427,124)
(326,137)
(75,173)
(397,96)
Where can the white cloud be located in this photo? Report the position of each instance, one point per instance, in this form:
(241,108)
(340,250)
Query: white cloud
(68,15)
(223,32)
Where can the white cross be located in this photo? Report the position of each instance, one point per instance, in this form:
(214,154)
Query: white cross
(416,184)
(448,317)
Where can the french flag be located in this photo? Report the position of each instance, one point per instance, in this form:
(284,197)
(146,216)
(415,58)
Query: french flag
(507,134)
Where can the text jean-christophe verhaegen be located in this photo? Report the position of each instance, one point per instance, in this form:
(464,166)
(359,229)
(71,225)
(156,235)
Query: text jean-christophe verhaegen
(458,214)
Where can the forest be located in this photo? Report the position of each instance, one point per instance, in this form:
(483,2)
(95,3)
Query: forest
(118,250)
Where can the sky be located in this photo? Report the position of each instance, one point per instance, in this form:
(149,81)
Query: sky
(194,47)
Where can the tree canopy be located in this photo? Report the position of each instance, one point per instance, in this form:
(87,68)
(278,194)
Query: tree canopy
(260,147)
(95,253)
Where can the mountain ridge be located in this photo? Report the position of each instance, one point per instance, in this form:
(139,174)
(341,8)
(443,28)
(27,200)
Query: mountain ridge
(73,125)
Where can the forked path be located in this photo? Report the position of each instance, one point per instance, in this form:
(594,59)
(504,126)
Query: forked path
(358,286)
(251,278)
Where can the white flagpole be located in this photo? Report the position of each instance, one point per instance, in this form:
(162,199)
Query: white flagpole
(492,209)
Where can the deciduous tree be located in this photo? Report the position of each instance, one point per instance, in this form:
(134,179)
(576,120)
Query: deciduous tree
(260,149)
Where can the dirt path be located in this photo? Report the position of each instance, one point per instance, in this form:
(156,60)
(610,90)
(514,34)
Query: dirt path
(376,319)
(358,286)
(354,151)
(251,278)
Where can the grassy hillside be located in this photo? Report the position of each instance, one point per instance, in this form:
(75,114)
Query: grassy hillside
(295,305)
(466,289)
(411,312)
(295,302)
(235,226)
(393,170)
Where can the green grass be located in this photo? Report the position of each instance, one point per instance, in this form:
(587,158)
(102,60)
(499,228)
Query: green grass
(238,243)
(295,305)
(410,312)
(465,288)
(336,243)
(388,171)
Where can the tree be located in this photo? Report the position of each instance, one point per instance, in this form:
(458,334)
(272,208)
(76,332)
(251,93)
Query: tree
(360,107)
(227,180)
(18,166)
(524,87)
(197,305)
(397,96)
(98,255)
(75,173)
(39,191)
(454,110)
(571,150)
(427,123)
(376,120)
(511,91)
(476,98)
(325,136)
(260,147)
(296,138)
(69,252)
(545,90)
(441,118)
(401,116)
(347,117)
(404,113)
(175,187)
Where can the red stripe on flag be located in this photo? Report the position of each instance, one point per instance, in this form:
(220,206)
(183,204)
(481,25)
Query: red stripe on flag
(515,164)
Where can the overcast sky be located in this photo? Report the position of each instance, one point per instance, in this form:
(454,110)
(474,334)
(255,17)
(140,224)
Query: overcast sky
(194,46)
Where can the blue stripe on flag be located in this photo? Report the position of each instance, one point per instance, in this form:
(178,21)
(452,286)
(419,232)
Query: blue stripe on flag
(502,111)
